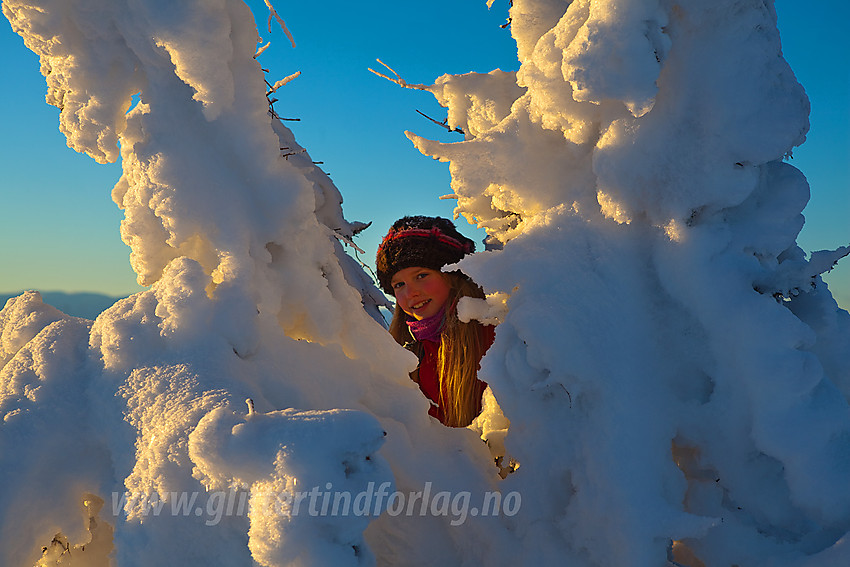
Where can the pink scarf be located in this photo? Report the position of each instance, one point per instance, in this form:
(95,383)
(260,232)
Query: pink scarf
(428,329)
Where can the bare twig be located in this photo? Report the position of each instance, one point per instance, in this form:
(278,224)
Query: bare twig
(444,124)
(367,266)
(286,155)
(272,111)
(357,250)
(568,395)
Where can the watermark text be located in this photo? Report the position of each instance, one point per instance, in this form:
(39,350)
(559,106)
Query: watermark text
(321,501)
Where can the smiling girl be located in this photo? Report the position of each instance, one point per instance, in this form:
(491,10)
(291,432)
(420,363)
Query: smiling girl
(425,319)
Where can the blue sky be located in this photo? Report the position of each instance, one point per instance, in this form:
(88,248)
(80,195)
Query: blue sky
(59,228)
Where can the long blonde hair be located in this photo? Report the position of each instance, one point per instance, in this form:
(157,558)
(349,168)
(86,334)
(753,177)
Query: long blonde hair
(461,349)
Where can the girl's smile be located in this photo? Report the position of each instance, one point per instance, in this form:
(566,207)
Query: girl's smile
(420,292)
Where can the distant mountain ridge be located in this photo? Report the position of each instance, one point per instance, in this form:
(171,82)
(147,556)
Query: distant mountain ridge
(80,304)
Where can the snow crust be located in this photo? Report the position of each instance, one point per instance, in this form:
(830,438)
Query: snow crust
(670,372)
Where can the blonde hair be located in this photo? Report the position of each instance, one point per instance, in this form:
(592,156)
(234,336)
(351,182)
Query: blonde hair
(461,349)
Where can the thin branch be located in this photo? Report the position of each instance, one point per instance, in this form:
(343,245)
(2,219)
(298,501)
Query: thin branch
(357,250)
(444,124)
(273,14)
(272,111)
(286,155)
(346,240)
(398,80)
(365,265)
(280,83)
(261,49)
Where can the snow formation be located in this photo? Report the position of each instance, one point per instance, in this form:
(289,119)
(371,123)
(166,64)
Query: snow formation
(674,372)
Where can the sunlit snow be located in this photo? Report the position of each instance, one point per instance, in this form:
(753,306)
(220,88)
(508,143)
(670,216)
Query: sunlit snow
(669,371)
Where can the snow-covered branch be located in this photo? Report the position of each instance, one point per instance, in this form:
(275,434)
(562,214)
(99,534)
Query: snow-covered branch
(398,80)
(260,50)
(274,15)
(283,81)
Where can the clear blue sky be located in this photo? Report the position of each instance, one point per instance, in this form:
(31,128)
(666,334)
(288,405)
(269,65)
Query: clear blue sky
(59,227)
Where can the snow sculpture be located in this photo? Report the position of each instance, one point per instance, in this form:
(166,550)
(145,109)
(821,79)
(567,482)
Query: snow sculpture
(674,370)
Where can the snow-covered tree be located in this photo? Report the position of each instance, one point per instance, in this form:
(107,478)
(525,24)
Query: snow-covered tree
(693,362)
(674,371)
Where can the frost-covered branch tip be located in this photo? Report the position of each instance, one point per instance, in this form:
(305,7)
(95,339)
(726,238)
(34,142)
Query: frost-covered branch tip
(260,50)
(282,82)
(398,80)
(273,14)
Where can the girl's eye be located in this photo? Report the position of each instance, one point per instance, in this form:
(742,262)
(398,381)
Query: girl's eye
(422,275)
(397,285)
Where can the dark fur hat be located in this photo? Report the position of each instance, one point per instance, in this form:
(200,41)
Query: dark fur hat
(428,242)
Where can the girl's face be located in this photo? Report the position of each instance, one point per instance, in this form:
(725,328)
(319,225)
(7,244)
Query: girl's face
(420,292)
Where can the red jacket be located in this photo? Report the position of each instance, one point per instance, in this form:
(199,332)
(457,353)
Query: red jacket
(428,381)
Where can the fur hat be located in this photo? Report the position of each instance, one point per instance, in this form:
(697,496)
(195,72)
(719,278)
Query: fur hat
(428,242)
